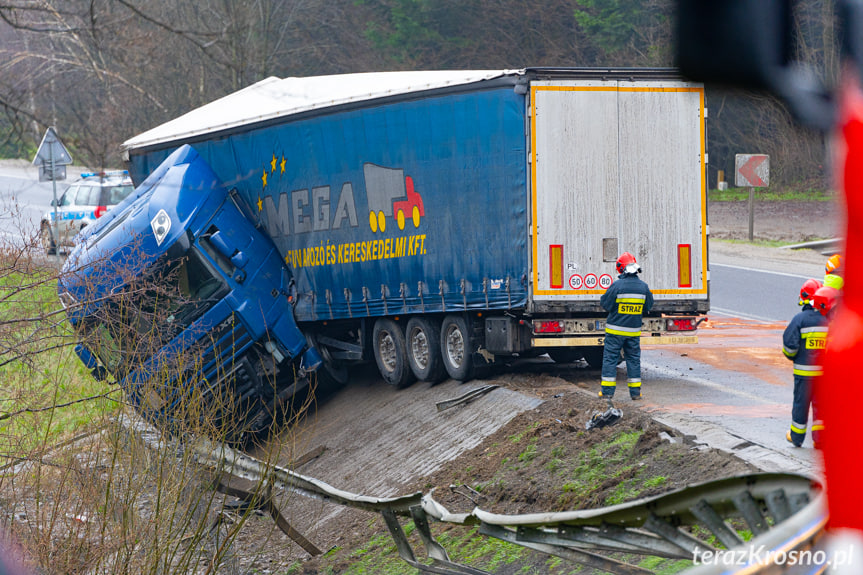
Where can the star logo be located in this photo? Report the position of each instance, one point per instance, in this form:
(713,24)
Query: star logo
(264,179)
(273,164)
(282,164)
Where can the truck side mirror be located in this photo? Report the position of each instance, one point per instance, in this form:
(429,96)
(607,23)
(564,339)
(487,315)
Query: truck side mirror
(221,242)
(98,372)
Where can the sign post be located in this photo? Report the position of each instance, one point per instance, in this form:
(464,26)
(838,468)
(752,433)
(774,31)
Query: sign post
(52,157)
(752,171)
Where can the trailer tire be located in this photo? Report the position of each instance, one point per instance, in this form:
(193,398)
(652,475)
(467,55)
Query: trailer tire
(565,354)
(332,375)
(424,355)
(593,356)
(391,353)
(455,348)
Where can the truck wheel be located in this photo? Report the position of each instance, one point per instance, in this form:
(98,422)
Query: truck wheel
(455,348)
(423,337)
(391,353)
(593,356)
(333,374)
(566,354)
(47,239)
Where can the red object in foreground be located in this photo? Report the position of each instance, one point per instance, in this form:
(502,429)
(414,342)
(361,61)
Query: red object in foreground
(840,390)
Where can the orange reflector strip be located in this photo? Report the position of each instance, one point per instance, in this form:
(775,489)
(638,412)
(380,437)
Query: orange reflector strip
(555,262)
(684,265)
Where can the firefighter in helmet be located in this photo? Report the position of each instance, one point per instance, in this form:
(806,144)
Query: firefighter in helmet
(804,340)
(626,301)
(833,272)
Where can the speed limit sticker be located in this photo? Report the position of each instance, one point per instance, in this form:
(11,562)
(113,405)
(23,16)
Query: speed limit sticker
(605,281)
(590,281)
(575,281)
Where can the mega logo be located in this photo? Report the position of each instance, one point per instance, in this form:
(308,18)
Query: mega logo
(389,192)
(392,200)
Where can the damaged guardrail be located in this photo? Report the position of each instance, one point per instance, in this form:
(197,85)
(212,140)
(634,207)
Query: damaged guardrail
(784,512)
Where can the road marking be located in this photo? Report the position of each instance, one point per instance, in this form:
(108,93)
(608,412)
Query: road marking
(741,315)
(712,264)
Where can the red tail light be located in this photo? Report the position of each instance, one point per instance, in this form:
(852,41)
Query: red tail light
(681,324)
(100,211)
(548,326)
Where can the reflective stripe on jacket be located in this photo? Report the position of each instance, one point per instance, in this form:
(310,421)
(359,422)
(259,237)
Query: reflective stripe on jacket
(803,340)
(626,301)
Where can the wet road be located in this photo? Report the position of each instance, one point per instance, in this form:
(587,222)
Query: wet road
(733,389)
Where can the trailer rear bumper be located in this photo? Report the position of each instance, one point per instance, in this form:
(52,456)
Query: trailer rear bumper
(599,340)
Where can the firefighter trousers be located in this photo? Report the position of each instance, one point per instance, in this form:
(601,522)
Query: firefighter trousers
(800,411)
(631,346)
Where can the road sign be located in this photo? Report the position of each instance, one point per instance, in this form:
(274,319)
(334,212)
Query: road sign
(46,174)
(605,281)
(51,154)
(751,170)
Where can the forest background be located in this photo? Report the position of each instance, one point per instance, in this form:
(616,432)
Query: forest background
(102,71)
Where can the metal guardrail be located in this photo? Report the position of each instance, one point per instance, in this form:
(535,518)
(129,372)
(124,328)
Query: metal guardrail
(827,247)
(784,512)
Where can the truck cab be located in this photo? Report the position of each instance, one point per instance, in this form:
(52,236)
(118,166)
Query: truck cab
(177,296)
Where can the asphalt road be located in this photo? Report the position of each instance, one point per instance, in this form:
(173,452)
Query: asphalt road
(750,293)
(23,200)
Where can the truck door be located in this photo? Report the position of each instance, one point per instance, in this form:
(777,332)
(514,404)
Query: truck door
(617,166)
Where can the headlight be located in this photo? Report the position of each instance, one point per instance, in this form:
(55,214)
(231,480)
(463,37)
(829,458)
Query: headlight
(161,225)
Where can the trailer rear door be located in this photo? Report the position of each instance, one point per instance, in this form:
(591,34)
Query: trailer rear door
(617,166)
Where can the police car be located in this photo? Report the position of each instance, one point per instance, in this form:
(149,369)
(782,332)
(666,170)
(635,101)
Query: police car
(80,205)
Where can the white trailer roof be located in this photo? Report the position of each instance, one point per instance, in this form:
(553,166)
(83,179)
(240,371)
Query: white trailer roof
(276,97)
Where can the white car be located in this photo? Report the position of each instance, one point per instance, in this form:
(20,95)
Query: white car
(80,205)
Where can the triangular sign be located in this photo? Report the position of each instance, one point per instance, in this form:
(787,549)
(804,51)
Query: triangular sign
(52,146)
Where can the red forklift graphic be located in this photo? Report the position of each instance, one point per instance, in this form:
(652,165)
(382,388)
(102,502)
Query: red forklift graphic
(391,193)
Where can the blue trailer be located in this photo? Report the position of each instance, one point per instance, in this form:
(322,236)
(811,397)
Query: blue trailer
(436,221)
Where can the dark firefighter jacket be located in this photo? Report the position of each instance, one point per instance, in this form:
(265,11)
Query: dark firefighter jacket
(626,301)
(804,339)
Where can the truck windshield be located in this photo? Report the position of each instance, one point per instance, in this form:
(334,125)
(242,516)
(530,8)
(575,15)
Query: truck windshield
(151,311)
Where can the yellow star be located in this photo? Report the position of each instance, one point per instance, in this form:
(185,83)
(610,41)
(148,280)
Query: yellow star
(283,164)
(273,164)
(260,204)
(264,179)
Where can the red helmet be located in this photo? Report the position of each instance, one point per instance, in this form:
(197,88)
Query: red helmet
(833,265)
(808,290)
(824,299)
(626,263)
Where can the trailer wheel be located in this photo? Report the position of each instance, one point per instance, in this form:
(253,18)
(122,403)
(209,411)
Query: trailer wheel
(593,356)
(566,354)
(391,355)
(456,349)
(423,337)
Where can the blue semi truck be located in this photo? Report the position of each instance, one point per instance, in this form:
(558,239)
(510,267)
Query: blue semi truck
(432,222)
